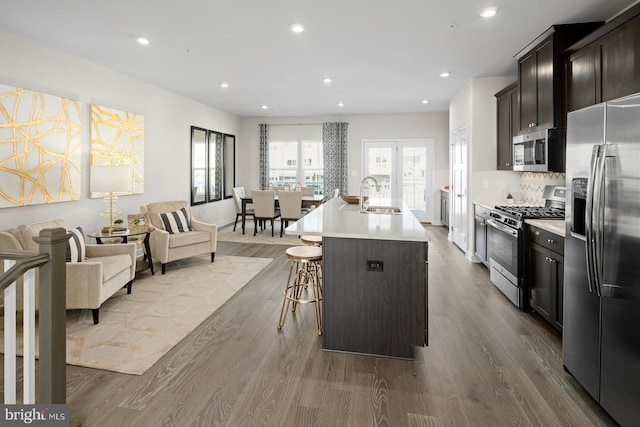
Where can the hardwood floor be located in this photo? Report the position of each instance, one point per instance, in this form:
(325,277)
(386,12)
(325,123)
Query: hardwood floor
(487,364)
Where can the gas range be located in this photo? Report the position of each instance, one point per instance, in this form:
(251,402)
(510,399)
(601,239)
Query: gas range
(528,212)
(506,246)
(514,216)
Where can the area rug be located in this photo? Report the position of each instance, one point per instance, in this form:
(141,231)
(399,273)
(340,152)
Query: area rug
(227,234)
(136,330)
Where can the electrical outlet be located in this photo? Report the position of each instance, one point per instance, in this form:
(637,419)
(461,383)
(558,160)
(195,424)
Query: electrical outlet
(485,184)
(375,265)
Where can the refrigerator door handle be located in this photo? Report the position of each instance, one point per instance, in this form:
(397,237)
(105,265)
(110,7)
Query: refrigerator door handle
(598,210)
(589,224)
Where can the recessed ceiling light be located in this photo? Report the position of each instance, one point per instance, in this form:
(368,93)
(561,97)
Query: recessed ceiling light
(143,40)
(224,85)
(264,107)
(297,28)
(488,13)
(340,104)
(445,74)
(425,101)
(326,80)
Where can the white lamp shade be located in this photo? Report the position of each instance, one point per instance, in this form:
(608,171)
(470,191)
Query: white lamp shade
(111,179)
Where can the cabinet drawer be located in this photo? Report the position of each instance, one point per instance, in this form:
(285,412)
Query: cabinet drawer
(481,211)
(546,239)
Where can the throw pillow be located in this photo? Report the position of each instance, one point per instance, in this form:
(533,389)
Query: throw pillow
(176,221)
(75,245)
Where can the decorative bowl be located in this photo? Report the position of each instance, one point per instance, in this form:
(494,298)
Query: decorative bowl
(352,200)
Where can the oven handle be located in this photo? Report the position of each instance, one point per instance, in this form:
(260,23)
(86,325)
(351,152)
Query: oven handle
(511,231)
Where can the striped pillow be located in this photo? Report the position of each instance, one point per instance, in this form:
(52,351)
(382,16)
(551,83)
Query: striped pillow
(75,245)
(176,221)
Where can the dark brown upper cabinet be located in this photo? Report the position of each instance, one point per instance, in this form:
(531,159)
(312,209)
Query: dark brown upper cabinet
(606,64)
(508,124)
(540,76)
(583,81)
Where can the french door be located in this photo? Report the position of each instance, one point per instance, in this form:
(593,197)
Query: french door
(404,170)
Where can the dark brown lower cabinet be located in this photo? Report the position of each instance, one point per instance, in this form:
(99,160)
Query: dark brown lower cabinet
(545,275)
(374,296)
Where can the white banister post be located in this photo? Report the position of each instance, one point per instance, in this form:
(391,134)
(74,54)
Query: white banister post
(29,337)
(9,340)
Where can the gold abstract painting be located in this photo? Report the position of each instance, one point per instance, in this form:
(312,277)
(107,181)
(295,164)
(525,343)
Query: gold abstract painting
(117,139)
(40,148)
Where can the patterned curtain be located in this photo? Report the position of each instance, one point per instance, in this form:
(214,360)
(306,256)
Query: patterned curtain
(264,155)
(334,148)
(218,167)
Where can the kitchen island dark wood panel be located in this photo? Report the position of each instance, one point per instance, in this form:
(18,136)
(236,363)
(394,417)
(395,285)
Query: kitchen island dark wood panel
(375,296)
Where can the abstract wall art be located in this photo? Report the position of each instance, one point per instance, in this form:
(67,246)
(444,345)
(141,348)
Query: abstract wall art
(117,138)
(40,147)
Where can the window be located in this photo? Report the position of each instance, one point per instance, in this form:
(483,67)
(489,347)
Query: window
(301,161)
(212,165)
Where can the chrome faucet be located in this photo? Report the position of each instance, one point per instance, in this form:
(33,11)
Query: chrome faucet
(362,190)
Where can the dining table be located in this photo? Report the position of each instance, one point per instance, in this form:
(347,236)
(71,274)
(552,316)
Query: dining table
(307,201)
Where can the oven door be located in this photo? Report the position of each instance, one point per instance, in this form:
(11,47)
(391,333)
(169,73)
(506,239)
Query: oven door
(503,248)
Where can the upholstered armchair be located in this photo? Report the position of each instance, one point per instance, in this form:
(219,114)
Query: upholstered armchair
(177,234)
(94,272)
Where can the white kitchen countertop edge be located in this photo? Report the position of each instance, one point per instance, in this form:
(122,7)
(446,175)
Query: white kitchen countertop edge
(339,219)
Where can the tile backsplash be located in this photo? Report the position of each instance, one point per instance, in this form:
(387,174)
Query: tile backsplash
(532,186)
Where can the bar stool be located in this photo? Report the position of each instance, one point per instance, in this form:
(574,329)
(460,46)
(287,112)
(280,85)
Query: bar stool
(311,240)
(305,260)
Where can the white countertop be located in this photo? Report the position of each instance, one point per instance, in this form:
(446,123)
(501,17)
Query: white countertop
(339,219)
(555,226)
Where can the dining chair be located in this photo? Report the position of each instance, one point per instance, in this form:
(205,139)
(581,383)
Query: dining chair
(264,208)
(238,194)
(336,193)
(290,207)
(298,187)
(307,191)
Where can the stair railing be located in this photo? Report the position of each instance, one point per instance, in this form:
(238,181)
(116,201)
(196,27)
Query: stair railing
(51,262)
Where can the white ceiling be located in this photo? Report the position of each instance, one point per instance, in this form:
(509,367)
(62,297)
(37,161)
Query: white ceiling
(383,56)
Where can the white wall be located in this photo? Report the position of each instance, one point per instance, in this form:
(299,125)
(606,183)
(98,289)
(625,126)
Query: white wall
(378,126)
(168,118)
(474,106)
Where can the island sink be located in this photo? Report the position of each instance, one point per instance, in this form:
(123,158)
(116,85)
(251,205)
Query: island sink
(388,210)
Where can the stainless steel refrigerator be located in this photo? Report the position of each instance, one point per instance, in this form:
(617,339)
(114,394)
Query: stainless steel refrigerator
(601,331)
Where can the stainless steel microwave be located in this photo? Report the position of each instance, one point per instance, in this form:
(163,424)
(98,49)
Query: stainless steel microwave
(532,151)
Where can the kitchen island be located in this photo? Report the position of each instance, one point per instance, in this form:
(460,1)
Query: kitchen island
(375,278)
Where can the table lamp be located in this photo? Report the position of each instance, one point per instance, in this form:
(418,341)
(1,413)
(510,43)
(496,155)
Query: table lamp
(110,180)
